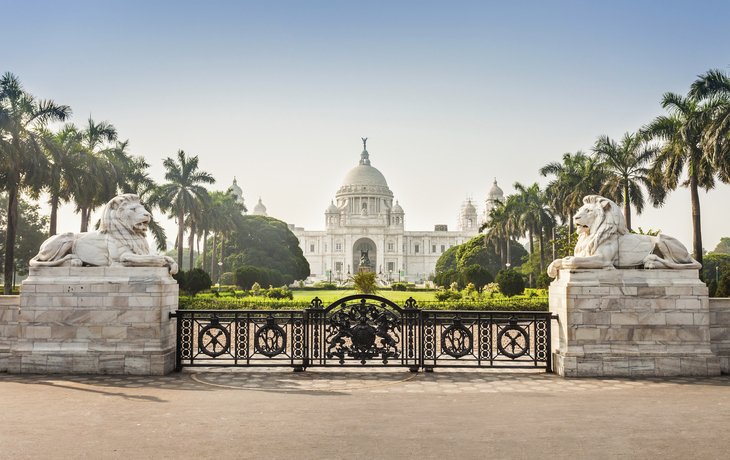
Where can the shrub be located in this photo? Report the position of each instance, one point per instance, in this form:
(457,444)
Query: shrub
(443,296)
(543,281)
(447,278)
(197,280)
(713,288)
(510,283)
(455,295)
(287,280)
(280,293)
(454,286)
(723,287)
(245,276)
(226,278)
(477,275)
(365,283)
(256,289)
(180,278)
(470,289)
(327,286)
(398,286)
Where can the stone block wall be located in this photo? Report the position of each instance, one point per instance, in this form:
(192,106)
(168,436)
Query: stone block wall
(720,331)
(96,320)
(632,323)
(9,307)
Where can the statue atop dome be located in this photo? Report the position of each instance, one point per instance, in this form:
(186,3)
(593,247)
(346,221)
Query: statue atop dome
(364,142)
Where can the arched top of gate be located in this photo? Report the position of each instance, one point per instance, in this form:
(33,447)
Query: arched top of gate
(410,304)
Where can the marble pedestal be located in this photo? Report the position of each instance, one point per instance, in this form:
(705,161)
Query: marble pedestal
(631,323)
(96,320)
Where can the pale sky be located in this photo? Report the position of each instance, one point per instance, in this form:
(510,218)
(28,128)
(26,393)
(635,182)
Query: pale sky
(450,94)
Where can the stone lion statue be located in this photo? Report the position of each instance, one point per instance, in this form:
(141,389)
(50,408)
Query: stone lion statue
(121,240)
(604,242)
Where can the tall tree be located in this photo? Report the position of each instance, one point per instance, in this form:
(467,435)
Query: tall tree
(22,159)
(682,134)
(104,173)
(714,87)
(535,216)
(577,176)
(68,160)
(183,191)
(626,169)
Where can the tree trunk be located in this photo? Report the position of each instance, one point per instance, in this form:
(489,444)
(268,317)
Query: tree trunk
(84,219)
(570,226)
(542,251)
(54,216)
(696,224)
(627,207)
(212,258)
(191,243)
(180,235)
(555,256)
(205,249)
(11,230)
(223,241)
(529,235)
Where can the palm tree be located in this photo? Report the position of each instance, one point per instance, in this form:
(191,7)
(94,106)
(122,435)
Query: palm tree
(67,160)
(226,217)
(22,159)
(535,216)
(502,226)
(682,133)
(136,180)
(714,88)
(103,175)
(182,192)
(626,171)
(577,176)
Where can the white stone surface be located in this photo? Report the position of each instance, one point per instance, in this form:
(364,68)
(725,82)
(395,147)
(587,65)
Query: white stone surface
(631,323)
(605,242)
(98,320)
(121,240)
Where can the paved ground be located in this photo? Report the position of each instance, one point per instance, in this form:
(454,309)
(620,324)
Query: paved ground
(269,413)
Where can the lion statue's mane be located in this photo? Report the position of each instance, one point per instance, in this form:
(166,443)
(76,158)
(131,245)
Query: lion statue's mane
(120,240)
(605,242)
(118,225)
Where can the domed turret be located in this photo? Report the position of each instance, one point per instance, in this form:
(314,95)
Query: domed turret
(467,216)
(332,209)
(397,208)
(495,192)
(259,209)
(236,190)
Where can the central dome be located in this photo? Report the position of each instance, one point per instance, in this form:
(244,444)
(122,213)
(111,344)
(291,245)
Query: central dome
(364,175)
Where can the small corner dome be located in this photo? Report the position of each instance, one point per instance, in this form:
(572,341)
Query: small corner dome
(469,208)
(397,208)
(235,188)
(332,209)
(495,191)
(259,209)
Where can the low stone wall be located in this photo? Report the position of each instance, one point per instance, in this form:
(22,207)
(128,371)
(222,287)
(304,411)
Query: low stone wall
(95,320)
(632,323)
(720,331)
(9,307)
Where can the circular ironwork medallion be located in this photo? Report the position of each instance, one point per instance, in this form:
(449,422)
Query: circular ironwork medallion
(214,340)
(456,340)
(513,341)
(270,340)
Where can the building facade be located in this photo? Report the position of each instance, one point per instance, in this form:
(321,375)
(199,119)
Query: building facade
(365,217)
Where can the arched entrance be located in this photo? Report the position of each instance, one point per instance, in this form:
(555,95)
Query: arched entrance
(364,244)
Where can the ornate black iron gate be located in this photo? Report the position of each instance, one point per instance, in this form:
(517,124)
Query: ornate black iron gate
(363,330)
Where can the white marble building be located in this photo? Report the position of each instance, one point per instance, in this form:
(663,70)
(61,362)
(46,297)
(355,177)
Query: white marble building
(365,216)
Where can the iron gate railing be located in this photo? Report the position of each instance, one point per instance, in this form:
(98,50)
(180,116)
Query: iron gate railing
(363,330)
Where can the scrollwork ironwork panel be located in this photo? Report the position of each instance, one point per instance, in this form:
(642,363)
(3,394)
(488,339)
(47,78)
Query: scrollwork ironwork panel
(363,330)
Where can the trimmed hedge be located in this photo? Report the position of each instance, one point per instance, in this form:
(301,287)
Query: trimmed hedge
(248,303)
